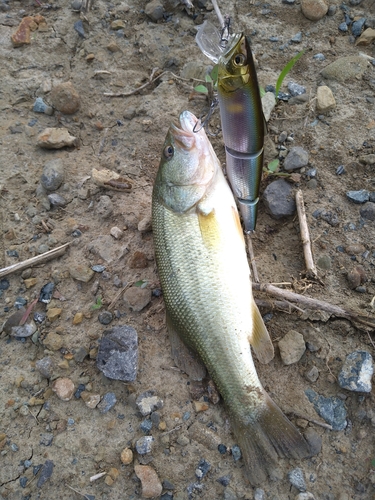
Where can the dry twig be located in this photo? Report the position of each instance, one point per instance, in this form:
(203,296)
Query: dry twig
(315,304)
(39,259)
(252,258)
(312,420)
(311,271)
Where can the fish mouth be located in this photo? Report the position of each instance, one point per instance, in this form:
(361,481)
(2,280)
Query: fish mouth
(184,130)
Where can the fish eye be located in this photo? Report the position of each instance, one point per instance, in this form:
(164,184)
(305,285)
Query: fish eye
(168,152)
(239,60)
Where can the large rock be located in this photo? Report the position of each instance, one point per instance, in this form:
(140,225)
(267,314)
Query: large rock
(279,200)
(356,372)
(151,485)
(55,138)
(345,68)
(118,353)
(65,98)
(314,9)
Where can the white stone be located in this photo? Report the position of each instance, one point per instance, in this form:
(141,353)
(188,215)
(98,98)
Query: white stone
(268,104)
(324,99)
(292,347)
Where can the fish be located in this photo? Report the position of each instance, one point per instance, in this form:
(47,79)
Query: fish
(243,125)
(204,274)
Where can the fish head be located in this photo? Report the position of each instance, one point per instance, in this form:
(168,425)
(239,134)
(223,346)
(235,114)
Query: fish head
(187,166)
(235,66)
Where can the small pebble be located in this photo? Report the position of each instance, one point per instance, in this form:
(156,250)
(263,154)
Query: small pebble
(367,211)
(202,469)
(314,440)
(314,9)
(53,174)
(45,473)
(108,402)
(137,298)
(151,485)
(340,170)
(297,38)
(148,402)
(332,409)
(224,480)
(46,292)
(78,26)
(105,207)
(312,375)
(356,372)
(297,158)
(41,107)
(46,439)
(343,27)
(23,481)
(64,388)
(279,200)
(126,456)
(105,317)
(79,391)
(236,452)
(98,268)
(292,347)
(361,196)
(259,494)
(143,445)
(91,400)
(295,89)
(45,367)
(116,233)
(222,449)
(357,26)
(296,479)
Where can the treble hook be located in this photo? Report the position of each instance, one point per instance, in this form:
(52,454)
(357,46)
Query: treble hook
(204,123)
(225,32)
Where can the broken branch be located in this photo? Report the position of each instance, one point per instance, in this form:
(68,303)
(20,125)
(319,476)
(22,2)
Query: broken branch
(305,236)
(39,259)
(315,304)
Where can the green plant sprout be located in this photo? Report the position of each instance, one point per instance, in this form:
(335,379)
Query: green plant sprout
(98,304)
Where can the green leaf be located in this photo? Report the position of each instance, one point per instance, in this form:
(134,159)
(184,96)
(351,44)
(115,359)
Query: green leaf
(273,166)
(141,283)
(201,88)
(98,304)
(373,462)
(208,79)
(261,91)
(214,73)
(286,70)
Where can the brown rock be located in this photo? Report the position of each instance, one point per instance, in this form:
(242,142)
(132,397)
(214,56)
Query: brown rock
(113,47)
(65,98)
(357,277)
(22,35)
(200,406)
(355,249)
(118,24)
(145,224)
(78,317)
(81,272)
(54,313)
(91,400)
(108,481)
(126,456)
(90,57)
(53,341)
(314,9)
(113,473)
(367,37)
(30,282)
(138,260)
(64,388)
(137,298)
(324,99)
(55,138)
(151,485)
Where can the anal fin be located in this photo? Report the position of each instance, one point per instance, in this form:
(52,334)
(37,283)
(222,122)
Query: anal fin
(184,357)
(260,339)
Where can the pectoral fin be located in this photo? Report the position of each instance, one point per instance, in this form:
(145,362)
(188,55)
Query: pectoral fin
(260,339)
(209,227)
(184,357)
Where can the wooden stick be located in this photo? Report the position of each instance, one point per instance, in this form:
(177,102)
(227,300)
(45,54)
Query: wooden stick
(314,304)
(39,259)
(305,236)
(312,420)
(283,305)
(252,258)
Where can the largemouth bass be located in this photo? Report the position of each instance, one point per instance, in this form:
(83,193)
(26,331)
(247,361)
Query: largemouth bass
(242,123)
(205,277)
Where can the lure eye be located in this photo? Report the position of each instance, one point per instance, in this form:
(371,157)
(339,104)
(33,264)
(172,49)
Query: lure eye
(239,60)
(168,152)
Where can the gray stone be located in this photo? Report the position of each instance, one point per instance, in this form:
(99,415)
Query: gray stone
(296,479)
(105,207)
(57,200)
(305,496)
(332,410)
(154,10)
(259,494)
(268,104)
(147,402)
(229,494)
(312,375)
(358,197)
(46,439)
(41,107)
(53,174)
(296,89)
(314,441)
(80,354)
(345,68)
(357,26)
(143,445)
(45,367)
(356,372)
(81,272)
(292,347)
(105,317)
(297,37)
(314,9)
(118,353)
(137,298)
(368,211)
(45,473)
(25,330)
(107,403)
(278,199)
(55,138)
(324,262)
(297,158)
(105,248)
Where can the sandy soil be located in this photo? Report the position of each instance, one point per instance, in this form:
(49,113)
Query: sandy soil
(125,134)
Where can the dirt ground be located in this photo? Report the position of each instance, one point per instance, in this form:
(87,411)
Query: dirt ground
(125,134)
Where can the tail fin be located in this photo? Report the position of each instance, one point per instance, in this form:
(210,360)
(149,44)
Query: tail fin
(269,435)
